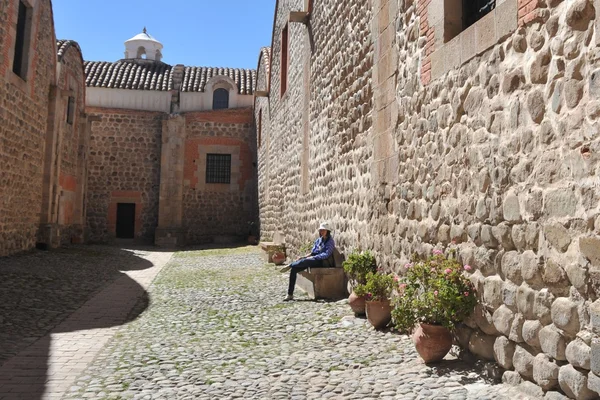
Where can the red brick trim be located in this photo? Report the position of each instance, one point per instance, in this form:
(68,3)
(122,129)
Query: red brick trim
(122,111)
(429,33)
(529,11)
(227,116)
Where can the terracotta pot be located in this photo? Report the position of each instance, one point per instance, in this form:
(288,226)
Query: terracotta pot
(357,303)
(432,342)
(379,313)
(278,257)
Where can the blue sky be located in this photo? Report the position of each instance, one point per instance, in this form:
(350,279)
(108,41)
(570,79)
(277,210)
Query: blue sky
(210,33)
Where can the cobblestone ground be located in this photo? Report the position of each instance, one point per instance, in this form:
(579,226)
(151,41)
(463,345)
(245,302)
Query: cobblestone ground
(216,328)
(40,289)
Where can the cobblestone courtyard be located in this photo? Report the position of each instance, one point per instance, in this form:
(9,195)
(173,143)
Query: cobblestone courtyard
(210,325)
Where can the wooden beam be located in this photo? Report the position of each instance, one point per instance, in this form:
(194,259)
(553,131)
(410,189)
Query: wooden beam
(261,93)
(299,16)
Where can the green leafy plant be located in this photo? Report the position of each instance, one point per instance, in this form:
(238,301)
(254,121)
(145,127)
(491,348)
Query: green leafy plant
(358,265)
(378,287)
(306,248)
(434,291)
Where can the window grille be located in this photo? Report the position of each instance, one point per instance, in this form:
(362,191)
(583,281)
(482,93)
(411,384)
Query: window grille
(218,168)
(220,99)
(474,10)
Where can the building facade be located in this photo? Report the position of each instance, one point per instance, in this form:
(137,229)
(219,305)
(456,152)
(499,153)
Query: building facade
(414,125)
(136,149)
(42,130)
(172,149)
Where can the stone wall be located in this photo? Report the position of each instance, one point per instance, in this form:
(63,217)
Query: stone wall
(124,167)
(211,211)
(73,150)
(23,111)
(314,165)
(496,155)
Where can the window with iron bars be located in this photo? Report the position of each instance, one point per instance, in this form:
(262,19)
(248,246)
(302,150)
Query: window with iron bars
(218,168)
(474,10)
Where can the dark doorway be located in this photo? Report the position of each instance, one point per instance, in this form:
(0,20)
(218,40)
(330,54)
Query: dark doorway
(125,220)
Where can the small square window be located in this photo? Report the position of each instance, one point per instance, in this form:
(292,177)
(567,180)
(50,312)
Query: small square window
(70,110)
(218,168)
(473,11)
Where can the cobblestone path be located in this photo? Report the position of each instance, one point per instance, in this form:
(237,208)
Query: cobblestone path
(216,328)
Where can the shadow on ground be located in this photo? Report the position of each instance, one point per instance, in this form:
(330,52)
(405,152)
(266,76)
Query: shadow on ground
(39,290)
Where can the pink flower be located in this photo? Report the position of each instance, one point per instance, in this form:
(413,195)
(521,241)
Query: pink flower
(437,252)
(466,294)
(408,265)
(396,278)
(435,293)
(448,270)
(467,267)
(432,269)
(402,286)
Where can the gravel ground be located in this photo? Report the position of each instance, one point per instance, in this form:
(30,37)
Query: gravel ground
(216,328)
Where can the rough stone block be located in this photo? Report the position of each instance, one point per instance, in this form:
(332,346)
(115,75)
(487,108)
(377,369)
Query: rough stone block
(595,356)
(565,316)
(531,269)
(323,283)
(512,378)
(492,291)
(482,345)
(578,354)
(593,382)
(502,233)
(516,329)
(545,372)
(594,311)
(523,361)
(531,332)
(551,395)
(503,318)
(574,383)
(511,266)
(511,208)
(484,320)
(504,350)
(590,247)
(509,295)
(560,203)
(525,301)
(558,236)
(531,390)
(541,307)
(553,343)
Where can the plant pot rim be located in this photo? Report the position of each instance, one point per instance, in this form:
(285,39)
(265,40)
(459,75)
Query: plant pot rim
(378,301)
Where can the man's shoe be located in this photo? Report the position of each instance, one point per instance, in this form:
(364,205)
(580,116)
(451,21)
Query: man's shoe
(289,297)
(285,269)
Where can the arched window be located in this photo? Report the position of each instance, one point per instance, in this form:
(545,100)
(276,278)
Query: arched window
(141,53)
(220,99)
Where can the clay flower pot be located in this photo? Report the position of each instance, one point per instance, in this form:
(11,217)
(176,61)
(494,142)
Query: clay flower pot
(379,313)
(278,257)
(432,342)
(357,303)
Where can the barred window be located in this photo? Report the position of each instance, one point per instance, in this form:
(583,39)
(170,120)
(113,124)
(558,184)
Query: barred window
(218,168)
(473,11)
(220,99)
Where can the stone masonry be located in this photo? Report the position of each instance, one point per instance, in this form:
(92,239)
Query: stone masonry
(24,112)
(486,140)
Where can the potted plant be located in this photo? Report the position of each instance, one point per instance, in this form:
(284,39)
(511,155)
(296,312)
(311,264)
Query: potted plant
(357,266)
(377,292)
(433,297)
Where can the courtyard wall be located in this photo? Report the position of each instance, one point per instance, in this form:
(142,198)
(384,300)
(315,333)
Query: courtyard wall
(486,142)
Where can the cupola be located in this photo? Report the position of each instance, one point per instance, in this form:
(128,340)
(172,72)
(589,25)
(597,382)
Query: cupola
(143,46)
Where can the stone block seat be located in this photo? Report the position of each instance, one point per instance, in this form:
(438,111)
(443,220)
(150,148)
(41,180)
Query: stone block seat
(269,248)
(325,283)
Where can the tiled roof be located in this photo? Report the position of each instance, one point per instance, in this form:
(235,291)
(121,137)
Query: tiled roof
(129,74)
(63,45)
(147,75)
(195,78)
(265,56)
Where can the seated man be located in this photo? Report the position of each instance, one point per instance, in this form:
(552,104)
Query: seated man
(321,251)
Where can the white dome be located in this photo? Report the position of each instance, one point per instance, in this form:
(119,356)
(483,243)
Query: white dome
(143,46)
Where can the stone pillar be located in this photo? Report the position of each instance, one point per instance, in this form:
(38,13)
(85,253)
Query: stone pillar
(48,232)
(170,232)
(384,168)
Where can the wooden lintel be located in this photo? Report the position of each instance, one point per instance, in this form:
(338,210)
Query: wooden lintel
(261,93)
(299,16)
